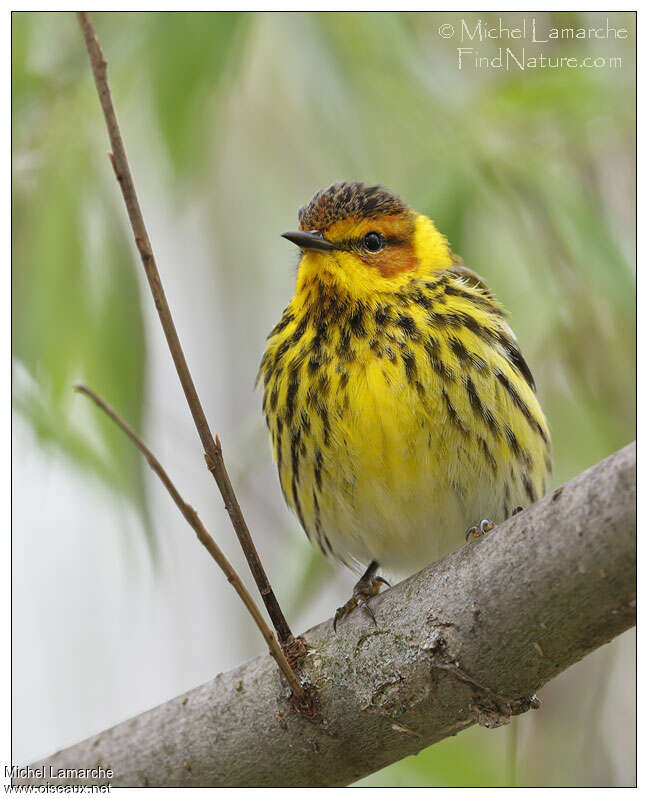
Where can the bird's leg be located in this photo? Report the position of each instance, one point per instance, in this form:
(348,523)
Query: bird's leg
(366,587)
(486,525)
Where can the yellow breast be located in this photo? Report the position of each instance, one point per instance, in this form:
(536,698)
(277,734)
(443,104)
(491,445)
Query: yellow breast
(401,418)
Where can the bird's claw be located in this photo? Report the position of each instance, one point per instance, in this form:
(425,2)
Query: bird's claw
(364,605)
(343,611)
(485,526)
(366,587)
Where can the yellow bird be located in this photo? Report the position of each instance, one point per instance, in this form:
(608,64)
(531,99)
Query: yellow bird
(400,408)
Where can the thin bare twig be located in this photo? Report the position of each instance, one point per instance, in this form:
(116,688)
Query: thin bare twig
(205,539)
(212,447)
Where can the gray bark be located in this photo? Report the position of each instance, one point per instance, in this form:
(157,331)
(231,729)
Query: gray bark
(466,640)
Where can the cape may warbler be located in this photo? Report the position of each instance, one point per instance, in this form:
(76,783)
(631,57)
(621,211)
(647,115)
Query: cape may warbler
(400,407)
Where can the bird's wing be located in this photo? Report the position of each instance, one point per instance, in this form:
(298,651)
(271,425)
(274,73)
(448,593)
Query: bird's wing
(511,349)
(471,277)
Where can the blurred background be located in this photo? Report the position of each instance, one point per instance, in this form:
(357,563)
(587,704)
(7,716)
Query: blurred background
(231,122)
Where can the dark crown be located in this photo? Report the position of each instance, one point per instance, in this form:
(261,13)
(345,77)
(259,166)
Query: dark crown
(342,200)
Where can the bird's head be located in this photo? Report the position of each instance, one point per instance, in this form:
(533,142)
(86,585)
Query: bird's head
(363,239)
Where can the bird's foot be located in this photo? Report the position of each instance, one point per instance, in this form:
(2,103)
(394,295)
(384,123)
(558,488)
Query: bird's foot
(366,587)
(486,525)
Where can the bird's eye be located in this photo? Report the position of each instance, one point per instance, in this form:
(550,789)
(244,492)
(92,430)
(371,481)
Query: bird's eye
(373,241)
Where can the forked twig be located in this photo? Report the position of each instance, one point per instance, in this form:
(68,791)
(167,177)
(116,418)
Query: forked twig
(212,447)
(205,539)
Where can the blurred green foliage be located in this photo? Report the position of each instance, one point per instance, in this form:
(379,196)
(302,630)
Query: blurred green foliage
(76,301)
(530,175)
(187,54)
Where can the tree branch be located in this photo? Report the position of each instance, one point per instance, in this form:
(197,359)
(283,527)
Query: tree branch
(467,640)
(205,539)
(212,447)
